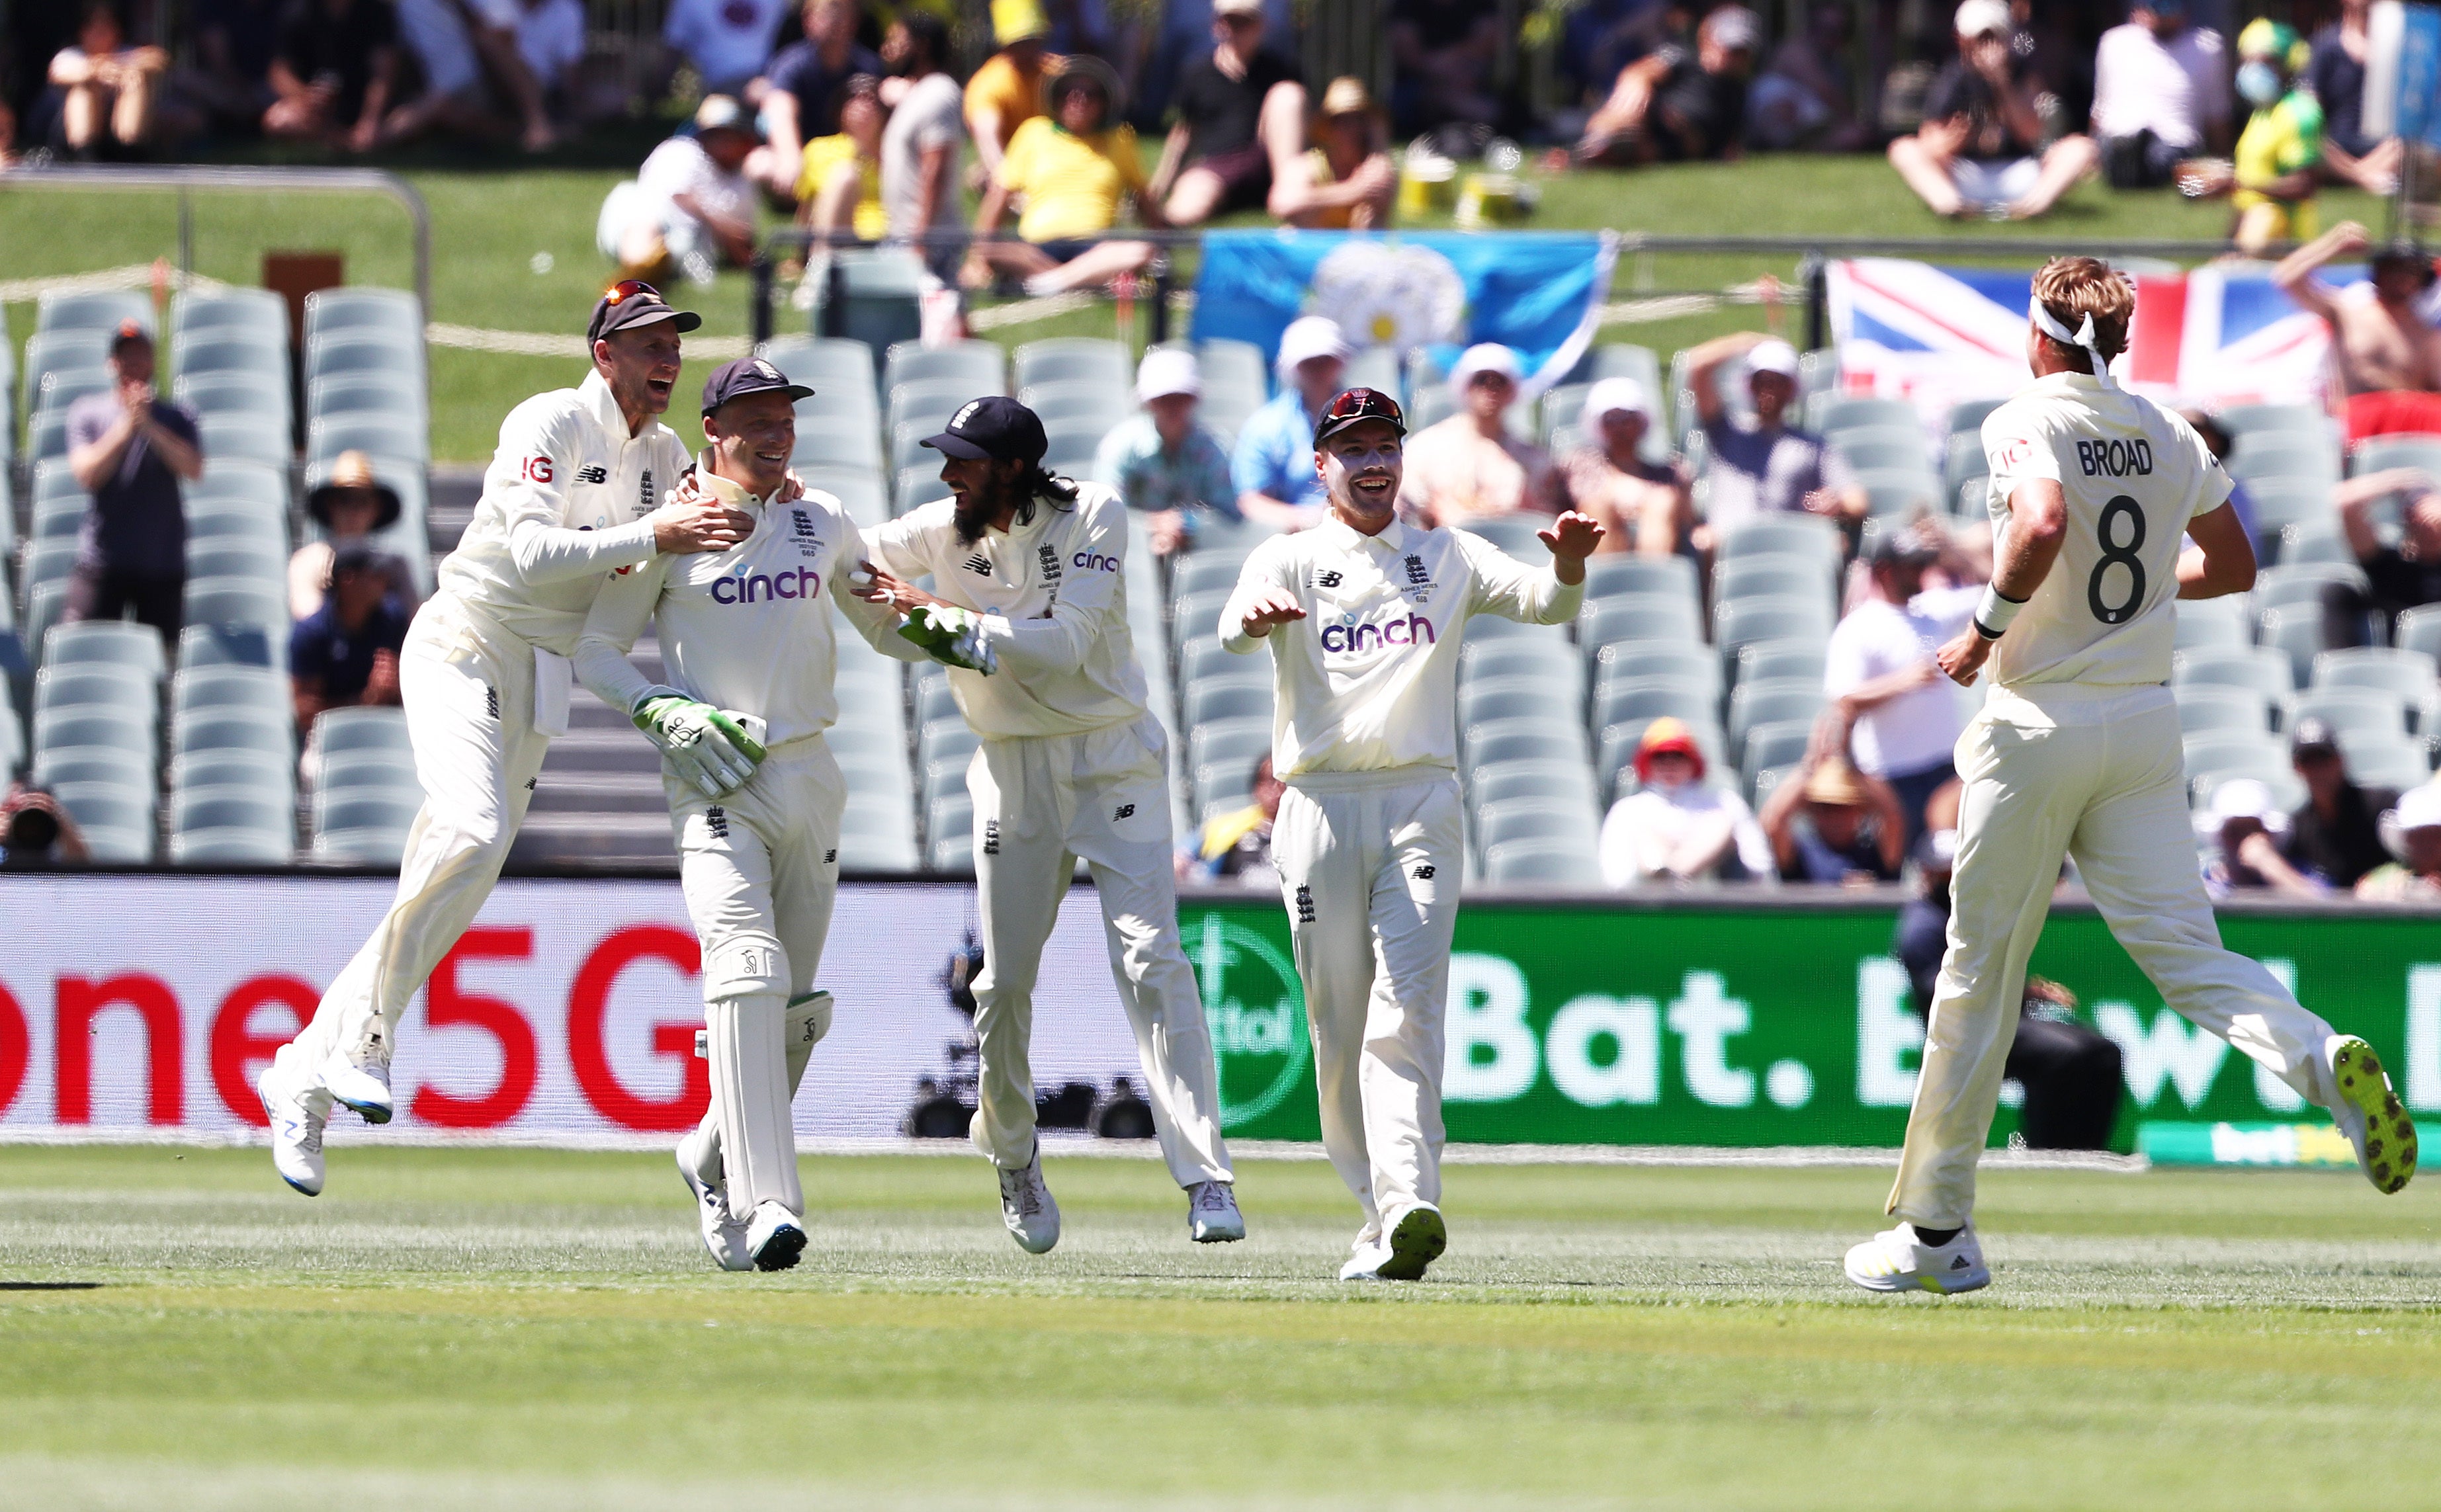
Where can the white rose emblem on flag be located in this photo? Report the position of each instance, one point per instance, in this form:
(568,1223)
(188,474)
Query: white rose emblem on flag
(1394,295)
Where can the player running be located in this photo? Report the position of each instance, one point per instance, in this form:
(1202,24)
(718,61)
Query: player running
(1364,616)
(750,647)
(570,499)
(2076,752)
(1071,765)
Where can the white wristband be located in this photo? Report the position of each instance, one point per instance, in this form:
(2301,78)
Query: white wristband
(1993,615)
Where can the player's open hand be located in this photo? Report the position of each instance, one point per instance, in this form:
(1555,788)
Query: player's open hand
(1572,537)
(1963,657)
(873,585)
(1277,607)
(698,523)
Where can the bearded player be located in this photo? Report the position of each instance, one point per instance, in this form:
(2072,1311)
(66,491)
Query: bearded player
(2076,752)
(1364,616)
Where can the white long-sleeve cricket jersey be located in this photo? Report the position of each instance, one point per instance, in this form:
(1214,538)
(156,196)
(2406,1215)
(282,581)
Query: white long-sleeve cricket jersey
(1368,680)
(564,505)
(1053,594)
(746,629)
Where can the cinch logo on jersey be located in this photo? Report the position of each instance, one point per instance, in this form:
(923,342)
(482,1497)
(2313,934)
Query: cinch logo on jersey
(1410,630)
(1095,561)
(795,582)
(2115,459)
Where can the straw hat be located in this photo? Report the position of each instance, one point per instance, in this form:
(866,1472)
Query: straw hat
(1834,782)
(353,469)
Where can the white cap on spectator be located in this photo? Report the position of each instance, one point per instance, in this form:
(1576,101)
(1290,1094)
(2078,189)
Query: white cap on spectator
(2419,808)
(1168,370)
(2244,798)
(1309,337)
(1773,356)
(1613,394)
(1236,7)
(1981,18)
(1484,357)
(1734,27)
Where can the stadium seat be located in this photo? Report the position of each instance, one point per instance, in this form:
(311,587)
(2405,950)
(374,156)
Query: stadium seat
(2270,769)
(948,739)
(246,438)
(880,289)
(231,729)
(1621,575)
(243,601)
(2214,623)
(1775,572)
(1075,359)
(226,645)
(1798,657)
(2258,669)
(1556,817)
(1537,737)
(1642,698)
(343,729)
(1377,368)
(401,437)
(2282,502)
(1619,660)
(1772,744)
(114,641)
(1561,863)
(395,395)
(228,352)
(1826,413)
(2413,676)
(1966,418)
(198,688)
(263,533)
(94,310)
(2383,452)
(100,689)
(1078,406)
(1490,627)
(1641,618)
(979,366)
(253,771)
(2298,633)
(2309,542)
(129,766)
(235,558)
(230,824)
(366,829)
(1503,781)
(247,394)
(45,603)
(1541,660)
(1808,535)
(1738,623)
(827,364)
(2376,758)
(116,822)
(1897,490)
(1770,701)
(2283,455)
(256,314)
(2360,707)
(2211,707)
(1897,448)
(356,351)
(2223,754)
(1220,698)
(2248,420)
(1514,534)
(1491,698)
(394,313)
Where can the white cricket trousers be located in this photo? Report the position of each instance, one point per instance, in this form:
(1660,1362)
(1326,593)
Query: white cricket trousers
(2098,774)
(1370,864)
(468,686)
(1042,802)
(760,870)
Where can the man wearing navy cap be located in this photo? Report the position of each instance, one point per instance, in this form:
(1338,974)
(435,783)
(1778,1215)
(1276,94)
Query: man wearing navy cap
(1072,765)
(580,489)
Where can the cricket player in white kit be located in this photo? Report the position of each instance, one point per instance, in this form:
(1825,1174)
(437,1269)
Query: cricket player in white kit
(575,494)
(1364,616)
(1071,765)
(748,639)
(2076,752)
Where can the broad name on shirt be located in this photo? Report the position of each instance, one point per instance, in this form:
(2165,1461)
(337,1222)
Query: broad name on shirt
(2115,458)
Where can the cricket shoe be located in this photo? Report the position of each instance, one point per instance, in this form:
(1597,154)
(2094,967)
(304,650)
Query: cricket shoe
(1212,1215)
(363,1087)
(1894,1260)
(296,1113)
(722,1235)
(1414,1242)
(2369,1114)
(1026,1207)
(775,1238)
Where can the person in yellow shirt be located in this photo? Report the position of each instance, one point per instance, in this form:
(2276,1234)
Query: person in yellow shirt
(1006,92)
(1074,170)
(839,189)
(2271,183)
(1344,180)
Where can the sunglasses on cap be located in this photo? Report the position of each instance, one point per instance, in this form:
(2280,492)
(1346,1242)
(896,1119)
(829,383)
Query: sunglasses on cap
(626,289)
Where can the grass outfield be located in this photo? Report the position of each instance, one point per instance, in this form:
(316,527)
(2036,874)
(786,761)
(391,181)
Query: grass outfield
(516,1329)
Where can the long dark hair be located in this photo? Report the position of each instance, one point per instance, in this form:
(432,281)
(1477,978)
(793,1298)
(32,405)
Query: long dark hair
(1039,484)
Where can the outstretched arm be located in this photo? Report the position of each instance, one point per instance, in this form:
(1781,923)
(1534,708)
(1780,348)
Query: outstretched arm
(2295,274)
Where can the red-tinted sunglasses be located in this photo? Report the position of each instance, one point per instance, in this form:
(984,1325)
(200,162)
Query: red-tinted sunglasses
(626,289)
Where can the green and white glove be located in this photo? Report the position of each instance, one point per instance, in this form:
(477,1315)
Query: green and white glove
(951,635)
(708,746)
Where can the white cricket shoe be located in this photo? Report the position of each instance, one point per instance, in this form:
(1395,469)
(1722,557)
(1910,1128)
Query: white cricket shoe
(1414,1242)
(1026,1207)
(2369,1114)
(722,1235)
(1894,1260)
(775,1238)
(1212,1215)
(296,1113)
(361,1086)
(1365,1264)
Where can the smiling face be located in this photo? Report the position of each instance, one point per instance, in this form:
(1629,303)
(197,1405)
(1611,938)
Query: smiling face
(640,365)
(1361,467)
(983,492)
(751,438)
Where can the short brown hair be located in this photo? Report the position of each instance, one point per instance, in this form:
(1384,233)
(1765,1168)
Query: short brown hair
(2073,288)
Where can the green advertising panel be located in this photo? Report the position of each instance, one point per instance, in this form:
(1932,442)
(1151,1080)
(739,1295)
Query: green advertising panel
(1705,1024)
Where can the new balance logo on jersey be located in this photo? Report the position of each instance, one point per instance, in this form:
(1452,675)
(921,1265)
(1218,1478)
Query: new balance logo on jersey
(715,818)
(979,565)
(795,582)
(1330,580)
(991,837)
(1422,874)
(1124,811)
(595,474)
(1304,903)
(491,701)
(1411,630)
(830,857)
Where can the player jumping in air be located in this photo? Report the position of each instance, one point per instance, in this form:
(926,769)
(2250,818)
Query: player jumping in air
(2076,752)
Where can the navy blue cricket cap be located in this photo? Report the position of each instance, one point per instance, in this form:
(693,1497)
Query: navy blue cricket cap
(994,427)
(1354,406)
(747,375)
(634,302)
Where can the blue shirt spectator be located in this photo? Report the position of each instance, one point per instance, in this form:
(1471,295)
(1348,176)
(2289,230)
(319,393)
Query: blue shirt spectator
(346,653)
(1160,460)
(130,450)
(1273,466)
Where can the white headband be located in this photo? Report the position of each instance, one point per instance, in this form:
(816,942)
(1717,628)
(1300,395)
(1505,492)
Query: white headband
(2082,335)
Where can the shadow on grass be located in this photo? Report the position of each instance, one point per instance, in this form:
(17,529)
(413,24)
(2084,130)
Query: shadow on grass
(50,1286)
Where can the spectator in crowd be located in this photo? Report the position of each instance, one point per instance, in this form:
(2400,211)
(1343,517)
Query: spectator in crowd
(350,505)
(2243,831)
(2335,71)
(334,70)
(2071,1072)
(2400,576)
(2412,833)
(551,40)
(2335,836)
(1468,467)
(1240,122)
(2160,95)
(1831,823)
(2385,355)
(130,450)
(37,833)
(1680,105)
(1806,98)
(1768,467)
(803,95)
(1074,170)
(345,655)
(1673,827)
(919,146)
(1273,467)
(839,181)
(1979,150)
(1645,506)
(2273,181)
(1237,844)
(476,80)
(112,97)
(691,207)
(1898,712)
(727,41)
(1601,37)
(1442,54)
(1344,180)
(1006,91)
(1162,461)
(234,41)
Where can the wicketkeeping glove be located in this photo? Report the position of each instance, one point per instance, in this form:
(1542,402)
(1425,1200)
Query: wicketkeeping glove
(708,746)
(951,635)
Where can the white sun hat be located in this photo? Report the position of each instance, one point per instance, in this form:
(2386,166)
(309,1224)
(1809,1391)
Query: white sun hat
(1168,370)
